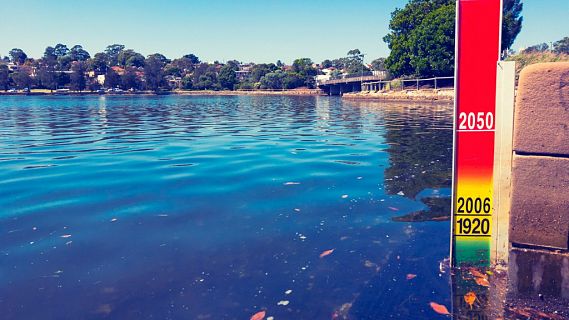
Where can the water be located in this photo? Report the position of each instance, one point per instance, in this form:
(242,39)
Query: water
(215,207)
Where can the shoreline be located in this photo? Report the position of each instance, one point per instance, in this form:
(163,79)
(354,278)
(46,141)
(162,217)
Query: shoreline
(424,95)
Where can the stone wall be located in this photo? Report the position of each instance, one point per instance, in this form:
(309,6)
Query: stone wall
(539,213)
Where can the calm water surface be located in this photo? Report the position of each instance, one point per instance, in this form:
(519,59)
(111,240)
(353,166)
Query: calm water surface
(219,207)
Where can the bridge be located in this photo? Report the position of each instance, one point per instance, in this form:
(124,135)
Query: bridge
(349,83)
(376,82)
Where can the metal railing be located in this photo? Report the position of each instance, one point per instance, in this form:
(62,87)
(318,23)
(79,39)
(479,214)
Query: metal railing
(409,84)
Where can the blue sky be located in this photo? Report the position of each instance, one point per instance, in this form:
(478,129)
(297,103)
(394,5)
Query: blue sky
(222,30)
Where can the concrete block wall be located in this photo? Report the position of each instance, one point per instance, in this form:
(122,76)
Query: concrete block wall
(539,213)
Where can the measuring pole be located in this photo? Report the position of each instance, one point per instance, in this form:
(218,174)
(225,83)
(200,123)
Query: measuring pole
(477,53)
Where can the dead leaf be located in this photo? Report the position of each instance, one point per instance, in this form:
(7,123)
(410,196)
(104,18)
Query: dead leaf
(327,252)
(439,308)
(477,273)
(482,282)
(411,276)
(470,298)
(259,315)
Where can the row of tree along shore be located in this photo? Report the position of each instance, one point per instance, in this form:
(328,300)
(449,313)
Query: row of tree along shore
(421,40)
(118,69)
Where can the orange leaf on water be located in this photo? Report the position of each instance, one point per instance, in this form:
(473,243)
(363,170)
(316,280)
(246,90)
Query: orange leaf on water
(482,282)
(259,315)
(439,308)
(411,276)
(477,273)
(325,253)
(470,298)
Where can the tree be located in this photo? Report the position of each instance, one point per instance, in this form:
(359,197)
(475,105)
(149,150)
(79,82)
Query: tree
(303,67)
(79,54)
(326,63)
(273,80)
(49,54)
(18,56)
(153,72)
(378,64)
(60,50)
(227,77)
(561,46)
(112,79)
(47,76)
(205,77)
(22,79)
(129,79)
(100,62)
(130,58)
(426,27)
(192,58)
(259,70)
(511,22)
(542,47)
(112,51)
(4,78)
(354,63)
(433,54)
(78,81)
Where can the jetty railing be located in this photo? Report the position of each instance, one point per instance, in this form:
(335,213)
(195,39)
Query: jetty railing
(439,83)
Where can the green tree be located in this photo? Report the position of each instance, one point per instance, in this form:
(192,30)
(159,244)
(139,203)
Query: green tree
(153,73)
(4,77)
(273,80)
(192,58)
(378,64)
(129,80)
(112,51)
(112,79)
(49,54)
(48,76)
(303,67)
(561,46)
(77,53)
(433,40)
(426,27)
(326,63)
(542,47)
(259,70)
(227,77)
(60,50)
(511,22)
(22,79)
(100,63)
(18,56)
(130,58)
(78,81)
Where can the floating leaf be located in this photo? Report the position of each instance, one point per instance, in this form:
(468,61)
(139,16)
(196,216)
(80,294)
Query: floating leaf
(411,276)
(344,196)
(283,303)
(470,298)
(326,253)
(477,273)
(439,308)
(288,291)
(393,208)
(482,281)
(66,236)
(291,183)
(259,315)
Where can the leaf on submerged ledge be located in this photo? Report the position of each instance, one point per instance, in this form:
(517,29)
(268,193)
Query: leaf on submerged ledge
(439,308)
(326,253)
(259,315)
(470,298)
(482,282)
(438,210)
